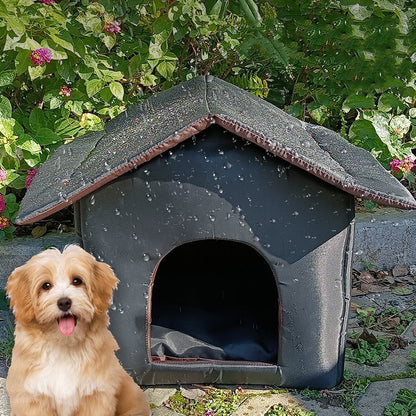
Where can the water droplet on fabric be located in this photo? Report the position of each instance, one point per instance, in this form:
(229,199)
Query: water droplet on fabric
(117,211)
(146,257)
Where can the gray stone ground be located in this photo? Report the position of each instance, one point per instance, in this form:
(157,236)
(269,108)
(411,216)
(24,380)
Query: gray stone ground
(384,239)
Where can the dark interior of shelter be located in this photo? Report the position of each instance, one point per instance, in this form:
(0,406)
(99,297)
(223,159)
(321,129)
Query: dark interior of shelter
(214,300)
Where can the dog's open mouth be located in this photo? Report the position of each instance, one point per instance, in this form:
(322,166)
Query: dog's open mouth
(67,324)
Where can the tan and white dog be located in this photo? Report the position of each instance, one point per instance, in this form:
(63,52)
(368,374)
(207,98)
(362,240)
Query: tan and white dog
(63,360)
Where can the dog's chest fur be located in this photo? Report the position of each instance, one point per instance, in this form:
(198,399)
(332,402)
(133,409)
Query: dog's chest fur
(59,376)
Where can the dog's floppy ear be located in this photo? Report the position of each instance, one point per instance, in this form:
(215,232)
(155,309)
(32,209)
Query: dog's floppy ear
(18,290)
(103,283)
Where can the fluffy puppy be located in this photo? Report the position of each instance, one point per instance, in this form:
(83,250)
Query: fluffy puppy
(63,361)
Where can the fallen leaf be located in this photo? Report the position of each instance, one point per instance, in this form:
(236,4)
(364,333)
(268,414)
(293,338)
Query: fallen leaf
(192,394)
(353,342)
(354,306)
(397,342)
(368,336)
(371,288)
(400,270)
(382,274)
(402,291)
(366,277)
(39,231)
(392,323)
(389,279)
(357,292)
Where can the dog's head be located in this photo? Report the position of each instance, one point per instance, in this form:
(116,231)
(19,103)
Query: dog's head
(61,288)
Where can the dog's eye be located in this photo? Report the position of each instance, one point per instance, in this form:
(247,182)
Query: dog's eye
(77,281)
(46,286)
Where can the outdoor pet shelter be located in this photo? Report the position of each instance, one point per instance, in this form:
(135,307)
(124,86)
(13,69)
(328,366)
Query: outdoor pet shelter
(229,224)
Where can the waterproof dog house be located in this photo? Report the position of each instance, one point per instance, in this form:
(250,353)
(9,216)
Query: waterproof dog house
(229,224)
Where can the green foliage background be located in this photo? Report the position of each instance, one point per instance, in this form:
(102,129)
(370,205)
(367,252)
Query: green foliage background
(345,64)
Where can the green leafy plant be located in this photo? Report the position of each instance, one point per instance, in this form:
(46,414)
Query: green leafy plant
(354,387)
(214,402)
(413,357)
(370,354)
(280,410)
(352,70)
(389,320)
(66,67)
(403,405)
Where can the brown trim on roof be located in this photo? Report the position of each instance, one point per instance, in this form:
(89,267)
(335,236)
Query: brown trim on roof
(162,147)
(319,172)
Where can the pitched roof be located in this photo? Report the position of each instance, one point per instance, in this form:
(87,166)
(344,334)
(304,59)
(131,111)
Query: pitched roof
(172,116)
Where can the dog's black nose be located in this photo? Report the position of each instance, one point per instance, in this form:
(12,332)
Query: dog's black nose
(64,304)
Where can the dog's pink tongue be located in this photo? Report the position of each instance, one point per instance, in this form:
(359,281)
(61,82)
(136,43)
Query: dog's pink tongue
(67,325)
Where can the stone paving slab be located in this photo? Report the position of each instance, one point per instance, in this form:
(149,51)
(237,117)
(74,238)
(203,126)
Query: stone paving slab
(260,404)
(159,395)
(163,411)
(381,393)
(4,399)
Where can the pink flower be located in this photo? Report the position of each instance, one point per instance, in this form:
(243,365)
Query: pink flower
(113,26)
(41,56)
(46,1)
(4,223)
(65,91)
(29,178)
(3,175)
(395,165)
(2,203)
(404,165)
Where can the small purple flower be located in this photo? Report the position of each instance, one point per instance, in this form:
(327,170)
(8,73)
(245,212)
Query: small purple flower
(41,56)
(3,175)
